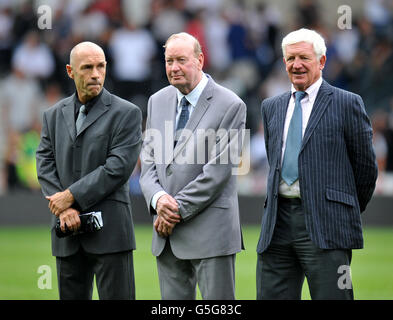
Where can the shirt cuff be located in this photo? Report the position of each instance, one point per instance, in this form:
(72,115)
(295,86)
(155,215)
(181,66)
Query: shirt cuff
(155,198)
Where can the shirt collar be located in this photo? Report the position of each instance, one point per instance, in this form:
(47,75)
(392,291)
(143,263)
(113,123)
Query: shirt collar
(194,95)
(311,91)
(89,104)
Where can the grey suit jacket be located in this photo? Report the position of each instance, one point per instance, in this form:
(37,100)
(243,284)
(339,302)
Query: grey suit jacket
(337,167)
(205,188)
(95,165)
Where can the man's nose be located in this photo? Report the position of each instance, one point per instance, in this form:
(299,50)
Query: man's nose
(95,73)
(297,63)
(175,66)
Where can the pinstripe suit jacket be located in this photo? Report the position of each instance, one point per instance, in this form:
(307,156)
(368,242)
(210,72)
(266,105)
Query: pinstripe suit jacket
(337,167)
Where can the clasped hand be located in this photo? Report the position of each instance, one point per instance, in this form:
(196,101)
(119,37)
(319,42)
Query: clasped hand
(60,201)
(70,217)
(60,205)
(167,215)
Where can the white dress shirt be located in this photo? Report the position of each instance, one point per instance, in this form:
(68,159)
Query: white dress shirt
(293,191)
(192,98)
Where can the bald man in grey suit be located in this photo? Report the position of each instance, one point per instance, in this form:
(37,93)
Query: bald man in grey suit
(188,181)
(90,143)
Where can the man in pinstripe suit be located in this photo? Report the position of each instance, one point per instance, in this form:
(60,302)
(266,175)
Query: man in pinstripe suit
(322,175)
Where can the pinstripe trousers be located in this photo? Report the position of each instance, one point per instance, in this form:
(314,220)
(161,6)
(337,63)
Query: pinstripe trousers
(292,256)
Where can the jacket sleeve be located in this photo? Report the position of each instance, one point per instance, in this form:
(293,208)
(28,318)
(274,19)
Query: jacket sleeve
(358,135)
(121,160)
(46,164)
(149,181)
(265,128)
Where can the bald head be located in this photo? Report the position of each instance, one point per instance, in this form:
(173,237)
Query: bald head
(84,48)
(87,68)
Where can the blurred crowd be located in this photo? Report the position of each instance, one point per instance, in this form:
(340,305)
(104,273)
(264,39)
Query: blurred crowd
(241,41)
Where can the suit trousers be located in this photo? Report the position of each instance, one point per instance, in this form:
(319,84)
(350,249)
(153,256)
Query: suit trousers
(114,276)
(291,256)
(178,278)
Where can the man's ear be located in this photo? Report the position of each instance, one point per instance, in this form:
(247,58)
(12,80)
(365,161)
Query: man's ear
(69,71)
(322,62)
(201,60)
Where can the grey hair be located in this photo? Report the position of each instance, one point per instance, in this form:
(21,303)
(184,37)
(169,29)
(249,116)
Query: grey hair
(305,35)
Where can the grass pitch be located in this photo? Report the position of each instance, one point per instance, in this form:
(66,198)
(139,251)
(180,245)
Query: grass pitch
(23,250)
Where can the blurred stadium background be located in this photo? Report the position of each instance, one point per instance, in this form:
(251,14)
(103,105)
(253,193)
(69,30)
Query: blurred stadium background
(241,42)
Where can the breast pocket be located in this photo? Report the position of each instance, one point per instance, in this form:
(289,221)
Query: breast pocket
(96,149)
(330,127)
(101,141)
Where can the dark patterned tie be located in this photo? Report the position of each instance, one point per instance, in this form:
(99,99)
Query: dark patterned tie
(294,141)
(184,115)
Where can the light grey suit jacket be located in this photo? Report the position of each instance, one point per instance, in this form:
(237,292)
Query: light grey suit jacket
(204,187)
(95,165)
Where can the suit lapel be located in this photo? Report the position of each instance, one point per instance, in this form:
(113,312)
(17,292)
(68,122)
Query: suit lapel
(69,116)
(196,116)
(322,101)
(101,106)
(282,113)
(168,114)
